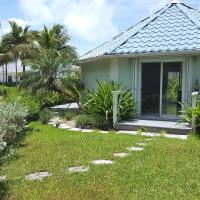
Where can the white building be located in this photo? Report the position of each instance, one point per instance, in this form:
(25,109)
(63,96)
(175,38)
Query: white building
(11,72)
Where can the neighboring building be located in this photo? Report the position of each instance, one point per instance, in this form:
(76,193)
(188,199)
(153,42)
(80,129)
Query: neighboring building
(158,59)
(11,72)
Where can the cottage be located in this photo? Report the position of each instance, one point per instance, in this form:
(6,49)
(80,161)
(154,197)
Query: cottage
(158,59)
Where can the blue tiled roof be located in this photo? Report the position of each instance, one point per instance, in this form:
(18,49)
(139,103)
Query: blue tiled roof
(176,27)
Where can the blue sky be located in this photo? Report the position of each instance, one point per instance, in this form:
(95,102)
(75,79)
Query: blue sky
(89,22)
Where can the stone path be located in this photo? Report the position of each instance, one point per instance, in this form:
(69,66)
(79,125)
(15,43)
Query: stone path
(38,176)
(78,169)
(135,149)
(102,162)
(120,155)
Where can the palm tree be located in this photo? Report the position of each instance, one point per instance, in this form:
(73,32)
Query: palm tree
(16,43)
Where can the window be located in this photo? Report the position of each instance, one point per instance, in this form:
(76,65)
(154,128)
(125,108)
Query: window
(9,78)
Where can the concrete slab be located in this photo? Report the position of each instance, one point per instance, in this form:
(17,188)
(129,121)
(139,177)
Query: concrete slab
(182,137)
(38,176)
(120,155)
(87,131)
(102,162)
(78,169)
(75,129)
(128,132)
(135,149)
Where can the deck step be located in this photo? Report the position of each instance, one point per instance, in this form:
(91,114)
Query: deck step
(155,126)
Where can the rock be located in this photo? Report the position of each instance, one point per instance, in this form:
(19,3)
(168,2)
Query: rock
(141,144)
(2,179)
(75,129)
(120,155)
(38,176)
(78,169)
(64,126)
(135,149)
(87,131)
(102,162)
(128,132)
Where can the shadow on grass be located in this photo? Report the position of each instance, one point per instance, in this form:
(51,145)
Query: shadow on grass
(3,190)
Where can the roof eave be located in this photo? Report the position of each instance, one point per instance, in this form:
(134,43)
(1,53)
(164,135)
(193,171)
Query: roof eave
(134,55)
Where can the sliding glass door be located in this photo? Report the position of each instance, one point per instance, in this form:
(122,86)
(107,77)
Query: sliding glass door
(161,89)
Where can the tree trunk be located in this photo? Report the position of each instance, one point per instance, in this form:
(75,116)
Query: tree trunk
(3,74)
(16,73)
(24,68)
(6,73)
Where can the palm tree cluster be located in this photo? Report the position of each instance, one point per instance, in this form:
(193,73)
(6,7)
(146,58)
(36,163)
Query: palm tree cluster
(47,53)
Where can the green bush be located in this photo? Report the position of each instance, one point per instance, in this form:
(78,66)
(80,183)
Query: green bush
(68,115)
(84,121)
(189,113)
(99,103)
(3,91)
(45,115)
(12,119)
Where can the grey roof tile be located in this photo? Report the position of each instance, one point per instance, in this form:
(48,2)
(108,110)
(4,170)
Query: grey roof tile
(176,27)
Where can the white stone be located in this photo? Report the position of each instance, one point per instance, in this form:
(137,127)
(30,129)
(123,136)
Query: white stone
(2,179)
(87,131)
(104,131)
(128,132)
(63,126)
(102,162)
(182,137)
(120,155)
(75,129)
(147,139)
(150,134)
(38,176)
(78,169)
(135,149)
(141,144)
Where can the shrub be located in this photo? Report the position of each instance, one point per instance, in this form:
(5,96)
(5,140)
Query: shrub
(45,115)
(12,119)
(3,91)
(85,121)
(68,115)
(99,103)
(189,113)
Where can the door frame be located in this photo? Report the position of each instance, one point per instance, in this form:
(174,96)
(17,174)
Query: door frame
(183,60)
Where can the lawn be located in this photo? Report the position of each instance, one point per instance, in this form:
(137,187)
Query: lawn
(166,169)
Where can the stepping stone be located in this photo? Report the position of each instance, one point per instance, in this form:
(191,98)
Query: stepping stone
(104,131)
(150,134)
(87,131)
(141,144)
(64,126)
(2,179)
(135,149)
(182,137)
(102,162)
(78,169)
(75,129)
(120,155)
(38,176)
(147,139)
(128,132)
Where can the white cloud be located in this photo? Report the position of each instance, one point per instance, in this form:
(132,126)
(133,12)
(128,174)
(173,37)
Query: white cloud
(85,19)
(5,27)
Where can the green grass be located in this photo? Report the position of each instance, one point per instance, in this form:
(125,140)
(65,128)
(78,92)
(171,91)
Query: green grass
(167,169)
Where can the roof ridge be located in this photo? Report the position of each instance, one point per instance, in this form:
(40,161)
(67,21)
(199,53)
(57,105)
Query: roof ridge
(188,14)
(157,14)
(127,29)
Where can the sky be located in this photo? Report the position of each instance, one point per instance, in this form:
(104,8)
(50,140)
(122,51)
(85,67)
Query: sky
(89,22)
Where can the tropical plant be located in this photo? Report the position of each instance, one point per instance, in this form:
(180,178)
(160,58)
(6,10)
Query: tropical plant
(99,103)
(191,115)
(16,44)
(85,121)
(45,115)
(12,119)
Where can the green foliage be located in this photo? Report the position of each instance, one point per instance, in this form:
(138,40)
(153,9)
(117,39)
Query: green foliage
(68,115)
(99,103)
(45,115)
(189,113)
(85,121)
(12,119)
(3,91)
(29,101)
